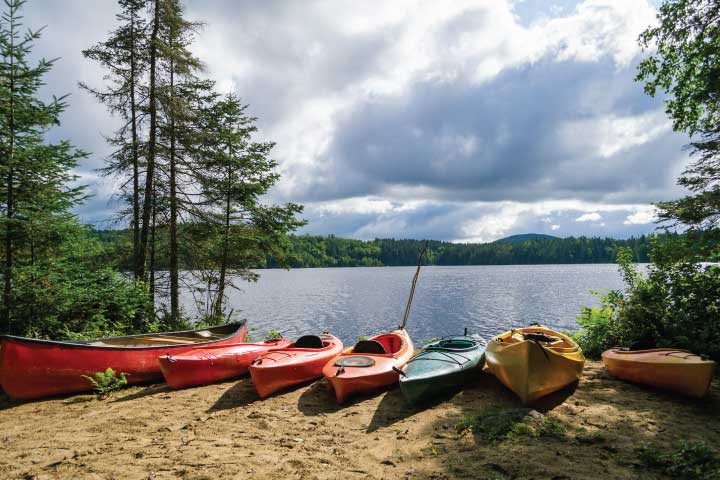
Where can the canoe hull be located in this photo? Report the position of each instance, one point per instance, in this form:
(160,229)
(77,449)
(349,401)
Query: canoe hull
(349,381)
(32,369)
(437,370)
(533,371)
(671,369)
(283,368)
(202,366)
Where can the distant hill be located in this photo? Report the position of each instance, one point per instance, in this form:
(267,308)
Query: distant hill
(524,237)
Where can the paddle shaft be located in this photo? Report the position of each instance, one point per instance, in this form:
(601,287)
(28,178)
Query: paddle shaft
(412,289)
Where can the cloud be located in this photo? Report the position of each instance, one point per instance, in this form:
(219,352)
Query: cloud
(642,216)
(463,121)
(589,217)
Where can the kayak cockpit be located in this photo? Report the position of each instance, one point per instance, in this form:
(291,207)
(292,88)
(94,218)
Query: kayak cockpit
(385,344)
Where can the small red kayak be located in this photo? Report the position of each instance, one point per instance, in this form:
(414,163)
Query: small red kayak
(299,362)
(209,364)
(370,365)
(32,368)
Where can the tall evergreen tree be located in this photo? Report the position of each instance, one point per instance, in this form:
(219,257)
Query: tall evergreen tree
(148,190)
(34,174)
(123,56)
(179,96)
(234,173)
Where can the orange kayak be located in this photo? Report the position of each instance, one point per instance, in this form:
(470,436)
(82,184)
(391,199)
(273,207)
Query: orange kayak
(369,365)
(678,370)
(299,362)
(209,364)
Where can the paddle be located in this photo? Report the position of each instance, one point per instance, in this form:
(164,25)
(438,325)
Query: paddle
(412,289)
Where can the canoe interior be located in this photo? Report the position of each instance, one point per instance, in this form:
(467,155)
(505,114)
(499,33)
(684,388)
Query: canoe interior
(165,339)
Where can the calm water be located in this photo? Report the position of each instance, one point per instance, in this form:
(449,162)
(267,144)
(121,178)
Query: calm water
(350,302)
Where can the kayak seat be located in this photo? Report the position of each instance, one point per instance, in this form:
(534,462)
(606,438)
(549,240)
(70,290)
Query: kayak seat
(369,347)
(391,342)
(309,341)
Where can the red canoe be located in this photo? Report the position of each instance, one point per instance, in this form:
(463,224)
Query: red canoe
(369,365)
(301,361)
(31,368)
(213,363)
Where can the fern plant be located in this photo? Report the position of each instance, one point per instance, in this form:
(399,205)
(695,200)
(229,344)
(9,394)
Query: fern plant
(106,382)
(272,335)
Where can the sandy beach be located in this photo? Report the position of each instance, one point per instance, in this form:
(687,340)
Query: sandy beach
(225,431)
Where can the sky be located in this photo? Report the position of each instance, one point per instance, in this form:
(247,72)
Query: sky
(464,121)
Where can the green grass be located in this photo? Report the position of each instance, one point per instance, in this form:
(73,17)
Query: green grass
(494,424)
(589,438)
(690,461)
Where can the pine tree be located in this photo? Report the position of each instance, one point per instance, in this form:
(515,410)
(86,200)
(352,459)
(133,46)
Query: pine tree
(123,56)
(148,190)
(179,95)
(34,174)
(235,172)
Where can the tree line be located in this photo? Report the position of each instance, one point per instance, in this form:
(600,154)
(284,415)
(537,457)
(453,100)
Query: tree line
(191,175)
(310,251)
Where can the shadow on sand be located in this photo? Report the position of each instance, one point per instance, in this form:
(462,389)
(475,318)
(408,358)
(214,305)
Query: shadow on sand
(240,394)
(155,389)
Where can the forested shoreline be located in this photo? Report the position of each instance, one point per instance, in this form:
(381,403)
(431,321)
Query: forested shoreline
(315,251)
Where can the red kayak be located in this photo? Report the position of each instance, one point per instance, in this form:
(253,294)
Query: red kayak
(369,365)
(31,368)
(299,362)
(213,363)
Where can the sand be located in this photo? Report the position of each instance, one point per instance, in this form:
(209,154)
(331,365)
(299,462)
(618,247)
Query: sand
(225,431)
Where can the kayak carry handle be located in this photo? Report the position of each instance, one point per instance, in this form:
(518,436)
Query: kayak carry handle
(399,372)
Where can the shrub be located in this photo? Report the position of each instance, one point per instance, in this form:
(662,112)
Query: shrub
(106,383)
(677,304)
(691,461)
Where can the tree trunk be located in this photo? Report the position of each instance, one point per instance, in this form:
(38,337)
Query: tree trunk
(223,261)
(150,170)
(174,281)
(134,148)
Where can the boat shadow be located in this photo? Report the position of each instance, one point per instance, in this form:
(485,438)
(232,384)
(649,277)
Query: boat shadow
(241,394)
(319,399)
(150,390)
(555,399)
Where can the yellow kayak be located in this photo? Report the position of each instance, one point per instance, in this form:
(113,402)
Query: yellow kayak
(534,361)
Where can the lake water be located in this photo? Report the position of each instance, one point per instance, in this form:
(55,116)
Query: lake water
(350,302)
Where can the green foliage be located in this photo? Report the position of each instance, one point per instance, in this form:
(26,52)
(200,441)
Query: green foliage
(331,251)
(35,174)
(107,382)
(684,63)
(273,335)
(494,424)
(73,292)
(691,460)
(677,304)
(589,438)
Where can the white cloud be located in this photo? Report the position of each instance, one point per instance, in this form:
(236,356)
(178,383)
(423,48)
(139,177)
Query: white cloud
(589,217)
(554,227)
(642,216)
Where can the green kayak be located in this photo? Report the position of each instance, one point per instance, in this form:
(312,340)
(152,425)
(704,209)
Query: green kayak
(440,366)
